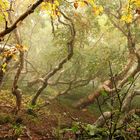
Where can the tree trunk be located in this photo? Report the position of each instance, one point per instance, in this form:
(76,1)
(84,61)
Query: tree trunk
(126,105)
(70,46)
(15,90)
(130,70)
(41,88)
(102,119)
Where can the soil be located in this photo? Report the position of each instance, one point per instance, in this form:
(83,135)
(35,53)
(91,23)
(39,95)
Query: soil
(42,124)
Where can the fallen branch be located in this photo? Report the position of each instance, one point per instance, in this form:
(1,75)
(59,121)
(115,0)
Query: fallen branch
(102,119)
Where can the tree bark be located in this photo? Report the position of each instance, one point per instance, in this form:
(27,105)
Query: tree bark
(128,99)
(15,90)
(102,119)
(70,46)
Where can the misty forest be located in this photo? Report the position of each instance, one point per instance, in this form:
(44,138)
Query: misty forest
(69,69)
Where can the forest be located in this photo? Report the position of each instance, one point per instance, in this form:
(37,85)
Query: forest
(69,69)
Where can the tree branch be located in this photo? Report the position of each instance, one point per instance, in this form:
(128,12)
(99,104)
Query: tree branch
(20,19)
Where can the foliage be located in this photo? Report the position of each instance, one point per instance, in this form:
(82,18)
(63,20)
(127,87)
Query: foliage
(130,10)
(17,129)
(86,131)
(4,5)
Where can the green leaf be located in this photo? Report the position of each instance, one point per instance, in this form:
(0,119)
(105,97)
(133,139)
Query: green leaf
(74,129)
(131,79)
(92,132)
(136,116)
(104,93)
(138,129)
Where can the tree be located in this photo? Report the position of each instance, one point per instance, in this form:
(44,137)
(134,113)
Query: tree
(132,67)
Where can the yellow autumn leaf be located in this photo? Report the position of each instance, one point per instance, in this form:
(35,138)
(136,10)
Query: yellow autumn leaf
(101,9)
(4,70)
(21,48)
(91,2)
(15,57)
(127,18)
(137,3)
(4,65)
(97,10)
(56,2)
(4,4)
(1,57)
(51,8)
(25,48)
(46,6)
(54,14)
(82,4)
(18,46)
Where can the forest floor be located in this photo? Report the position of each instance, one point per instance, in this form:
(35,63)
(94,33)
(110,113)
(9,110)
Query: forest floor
(42,124)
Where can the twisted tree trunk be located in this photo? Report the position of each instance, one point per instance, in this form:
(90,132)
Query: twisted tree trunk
(70,46)
(130,70)
(15,89)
